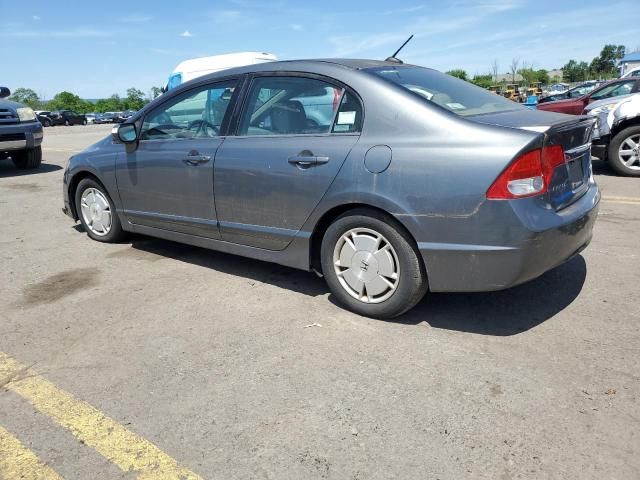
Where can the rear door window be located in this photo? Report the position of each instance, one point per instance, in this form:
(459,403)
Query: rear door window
(293,105)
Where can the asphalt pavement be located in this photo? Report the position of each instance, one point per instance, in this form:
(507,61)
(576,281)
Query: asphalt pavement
(154,360)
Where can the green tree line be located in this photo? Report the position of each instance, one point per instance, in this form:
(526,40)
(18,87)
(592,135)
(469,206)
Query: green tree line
(601,67)
(134,100)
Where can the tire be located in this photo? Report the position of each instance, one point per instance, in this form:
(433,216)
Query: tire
(27,159)
(626,137)
(368,231)
(114,232)
(67,123)
(46,123)
(84,122)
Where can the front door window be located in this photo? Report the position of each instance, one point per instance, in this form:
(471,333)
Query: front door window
(199,114)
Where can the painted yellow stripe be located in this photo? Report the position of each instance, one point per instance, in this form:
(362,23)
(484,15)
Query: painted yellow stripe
(622,200)
(17,461)
(124,448)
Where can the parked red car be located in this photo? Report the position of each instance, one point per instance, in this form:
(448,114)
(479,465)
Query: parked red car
(575,106)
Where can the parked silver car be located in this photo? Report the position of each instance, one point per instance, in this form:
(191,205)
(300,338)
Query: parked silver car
(616,138)
(416,181)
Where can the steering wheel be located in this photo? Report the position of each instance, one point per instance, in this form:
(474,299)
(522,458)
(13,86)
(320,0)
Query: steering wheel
(203,126)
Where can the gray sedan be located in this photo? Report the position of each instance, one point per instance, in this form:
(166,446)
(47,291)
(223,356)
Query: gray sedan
(394,180)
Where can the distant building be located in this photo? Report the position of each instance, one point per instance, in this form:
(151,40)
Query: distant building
(629,62)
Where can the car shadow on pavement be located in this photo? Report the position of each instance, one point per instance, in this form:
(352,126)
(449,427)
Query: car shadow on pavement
(600,167)
(7,169)
(505,312)
(283,277)
(502,313)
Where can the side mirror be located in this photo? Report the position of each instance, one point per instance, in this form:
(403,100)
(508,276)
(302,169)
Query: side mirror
(4,92)
(124,133)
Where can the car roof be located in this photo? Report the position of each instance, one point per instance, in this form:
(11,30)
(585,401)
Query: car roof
(302,65)
(307,66)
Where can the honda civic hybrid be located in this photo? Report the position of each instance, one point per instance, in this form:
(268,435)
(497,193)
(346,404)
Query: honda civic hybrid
(388,179)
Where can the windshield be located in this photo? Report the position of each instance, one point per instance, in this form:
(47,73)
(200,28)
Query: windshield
(453,94)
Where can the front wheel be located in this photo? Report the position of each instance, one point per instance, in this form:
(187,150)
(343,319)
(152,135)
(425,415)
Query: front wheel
(67,123)
(84,122)
(27,159)
(624,152)
(371,264)
(97,212)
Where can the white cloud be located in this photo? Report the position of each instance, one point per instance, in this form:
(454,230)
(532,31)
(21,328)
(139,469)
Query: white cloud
(136,18)
(349,45)
(417,8)
(36,17)
(73,33)
(229,14)
(186,34)
(297,27)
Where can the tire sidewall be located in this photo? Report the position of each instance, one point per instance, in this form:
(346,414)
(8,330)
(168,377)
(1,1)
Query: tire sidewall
(613,155)
(27,159)
(412,284)
(116,228)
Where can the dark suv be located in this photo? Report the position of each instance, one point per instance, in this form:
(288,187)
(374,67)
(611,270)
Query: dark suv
(20,133)
(67,117)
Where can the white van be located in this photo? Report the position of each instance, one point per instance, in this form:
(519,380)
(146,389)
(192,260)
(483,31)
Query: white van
(634,72)
(196,67)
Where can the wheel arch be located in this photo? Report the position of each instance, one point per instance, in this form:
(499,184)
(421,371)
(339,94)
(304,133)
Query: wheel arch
(627,122)
(328,217)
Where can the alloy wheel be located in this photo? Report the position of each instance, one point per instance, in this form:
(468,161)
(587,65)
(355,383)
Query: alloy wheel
(629,152)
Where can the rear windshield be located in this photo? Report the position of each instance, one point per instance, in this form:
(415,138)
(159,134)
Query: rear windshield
(457,96)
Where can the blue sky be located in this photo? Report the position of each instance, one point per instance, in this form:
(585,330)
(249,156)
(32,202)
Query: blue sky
(95,49)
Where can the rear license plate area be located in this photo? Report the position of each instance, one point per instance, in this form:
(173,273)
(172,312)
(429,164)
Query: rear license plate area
(575,171)
(569,181)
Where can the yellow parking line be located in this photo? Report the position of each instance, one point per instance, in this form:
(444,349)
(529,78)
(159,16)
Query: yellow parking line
(17,461)
(621,200)
(124,448)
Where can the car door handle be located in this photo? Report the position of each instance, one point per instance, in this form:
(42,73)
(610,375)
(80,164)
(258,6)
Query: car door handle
(196,159)
(305,161)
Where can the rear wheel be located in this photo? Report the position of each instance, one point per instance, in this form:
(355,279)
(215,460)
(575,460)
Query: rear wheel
(46,123)
(27,159)
(84,122)
(371,264)
(624,152)
(67,123)
(97,213)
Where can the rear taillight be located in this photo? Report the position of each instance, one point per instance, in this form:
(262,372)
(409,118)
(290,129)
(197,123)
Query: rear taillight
(527,175)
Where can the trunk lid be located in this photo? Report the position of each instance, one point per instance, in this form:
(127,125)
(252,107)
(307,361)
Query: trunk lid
(570,180)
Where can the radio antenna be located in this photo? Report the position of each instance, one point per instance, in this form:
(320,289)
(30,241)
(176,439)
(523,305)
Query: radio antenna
(393,57)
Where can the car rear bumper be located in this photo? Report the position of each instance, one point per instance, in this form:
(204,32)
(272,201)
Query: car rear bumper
(477,268)
(21,136)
